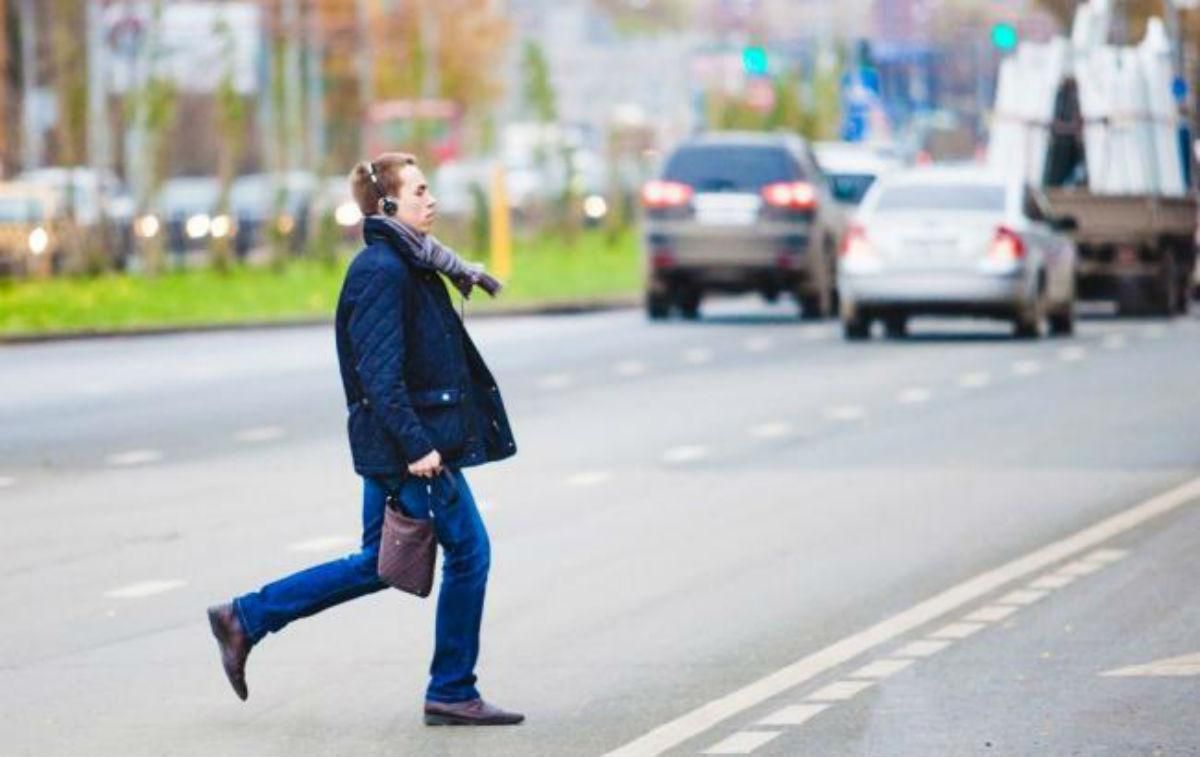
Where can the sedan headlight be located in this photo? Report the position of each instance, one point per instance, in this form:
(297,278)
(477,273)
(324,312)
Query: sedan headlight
(147,226)
(221,226)
(197,226)
(39,240)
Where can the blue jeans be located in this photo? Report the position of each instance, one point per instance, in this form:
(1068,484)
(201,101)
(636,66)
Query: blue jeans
(466,556)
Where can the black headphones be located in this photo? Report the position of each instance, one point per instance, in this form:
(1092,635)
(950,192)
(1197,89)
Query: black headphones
(389,205)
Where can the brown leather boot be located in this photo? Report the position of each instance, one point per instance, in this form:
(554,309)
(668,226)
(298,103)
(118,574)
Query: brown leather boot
(234,645)
(474,712)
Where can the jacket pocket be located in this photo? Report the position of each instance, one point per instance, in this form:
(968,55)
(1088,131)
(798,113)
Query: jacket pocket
(370,445)
(441,413)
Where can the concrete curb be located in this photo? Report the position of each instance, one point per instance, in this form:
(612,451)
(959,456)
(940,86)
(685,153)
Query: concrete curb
(553,307)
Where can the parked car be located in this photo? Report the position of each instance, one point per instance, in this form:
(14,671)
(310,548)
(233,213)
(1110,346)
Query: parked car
(740,212)
(29,240)
(264,201)
(188,205)
(96,201)
(955,241)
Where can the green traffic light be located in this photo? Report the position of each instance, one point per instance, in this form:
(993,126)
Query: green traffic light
(754,60)
(1004,36)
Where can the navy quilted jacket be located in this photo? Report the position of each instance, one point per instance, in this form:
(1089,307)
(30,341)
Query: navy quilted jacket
(413,378)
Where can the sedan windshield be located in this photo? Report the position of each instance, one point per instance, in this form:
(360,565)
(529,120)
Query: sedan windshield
(943,197)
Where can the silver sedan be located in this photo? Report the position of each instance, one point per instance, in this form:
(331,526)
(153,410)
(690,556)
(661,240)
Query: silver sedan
(956,241)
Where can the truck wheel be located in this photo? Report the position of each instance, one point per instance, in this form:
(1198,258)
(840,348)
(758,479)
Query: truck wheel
(658,307)
(856,328)
(896,326)
(689,304)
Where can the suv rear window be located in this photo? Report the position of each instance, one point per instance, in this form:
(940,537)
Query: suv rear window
(731,168)
(963,197)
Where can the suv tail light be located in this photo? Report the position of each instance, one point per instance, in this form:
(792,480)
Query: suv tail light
(855,244)
(792,195)
(1006,245)
(665,194)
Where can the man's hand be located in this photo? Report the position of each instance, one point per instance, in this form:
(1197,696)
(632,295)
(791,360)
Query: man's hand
(428,466)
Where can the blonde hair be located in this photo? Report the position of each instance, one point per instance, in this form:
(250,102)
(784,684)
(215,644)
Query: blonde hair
(387,171)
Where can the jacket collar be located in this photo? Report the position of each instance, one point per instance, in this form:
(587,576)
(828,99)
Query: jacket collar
(376,230)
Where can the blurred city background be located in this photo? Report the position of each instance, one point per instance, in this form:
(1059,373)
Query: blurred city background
(155,137)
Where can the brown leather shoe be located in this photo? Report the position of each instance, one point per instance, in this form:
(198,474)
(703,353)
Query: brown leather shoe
(474,712)
(234,645)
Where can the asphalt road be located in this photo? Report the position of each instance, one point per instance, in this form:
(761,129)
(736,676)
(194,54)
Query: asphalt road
(741,535)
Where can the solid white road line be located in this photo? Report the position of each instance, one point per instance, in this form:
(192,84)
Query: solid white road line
(796,714)
(922,648)
(685,454)
(144,589)
(322,544)
(881,668)
(1106,555)
(771,430)
(743,742)
(697,355)
(914,395)
(629,368)
(706,716)
(976,380)
(589,478)
(259,434)
(554,381)
(1026,367)
(134,457)
(1184,665)
(839,691)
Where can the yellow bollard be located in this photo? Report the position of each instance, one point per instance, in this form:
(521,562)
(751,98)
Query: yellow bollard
(501,233)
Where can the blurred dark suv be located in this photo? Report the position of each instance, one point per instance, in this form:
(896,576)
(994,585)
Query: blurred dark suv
(740,212)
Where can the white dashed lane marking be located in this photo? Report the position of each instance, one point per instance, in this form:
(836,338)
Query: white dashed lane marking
(589,478)
(259,434)
(1113,342)
(959,630)
(555,381)
(758,344)
(743,742)
(134,457)
(1154,332)
(697,356)
(975,380)
(1072,354)
(881,668)
(796,714)
(914,395)
(991,613)
(1026,367)
(771,430)
(322,544)
(629,368)
(144,589)
(1052,581)
(1021,597)
(840,691)
(922,648)
(685,454)
(846,413)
